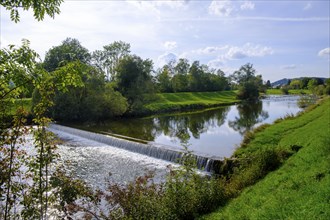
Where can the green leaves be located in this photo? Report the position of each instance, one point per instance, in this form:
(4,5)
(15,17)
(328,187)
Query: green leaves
(40,8)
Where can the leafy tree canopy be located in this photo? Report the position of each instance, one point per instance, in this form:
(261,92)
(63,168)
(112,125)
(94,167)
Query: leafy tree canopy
(70,50)
(134,79)
(40,8)
(108,58)
(249,84)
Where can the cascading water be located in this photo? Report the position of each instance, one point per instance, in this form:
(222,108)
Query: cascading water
(152,150)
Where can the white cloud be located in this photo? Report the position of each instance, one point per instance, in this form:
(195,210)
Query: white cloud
(210,50)
(156,7)
(248,50)
(165,59)
(221,8)
(289,67)
(216,63)
(170,45)
(325,52)
(247,5)
(307,6)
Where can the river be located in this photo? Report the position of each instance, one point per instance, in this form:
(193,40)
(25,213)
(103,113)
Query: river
(214,133)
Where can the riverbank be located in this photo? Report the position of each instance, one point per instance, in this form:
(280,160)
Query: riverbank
(174,102)
(299,188)
(290,92)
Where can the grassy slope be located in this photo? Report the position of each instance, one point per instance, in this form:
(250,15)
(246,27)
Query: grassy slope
(186,100)
(300,188)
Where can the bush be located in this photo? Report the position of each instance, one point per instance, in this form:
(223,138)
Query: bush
(285,90)
(255,166)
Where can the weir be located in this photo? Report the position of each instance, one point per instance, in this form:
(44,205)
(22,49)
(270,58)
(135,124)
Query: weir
(153,150)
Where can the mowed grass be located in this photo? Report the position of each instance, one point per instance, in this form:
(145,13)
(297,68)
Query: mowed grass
(165,102)
(291,92)
(300,188)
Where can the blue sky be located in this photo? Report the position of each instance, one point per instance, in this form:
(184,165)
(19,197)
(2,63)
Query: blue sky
(283,39)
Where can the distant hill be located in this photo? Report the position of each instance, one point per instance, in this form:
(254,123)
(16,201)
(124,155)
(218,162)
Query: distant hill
(279,83)
(285,81)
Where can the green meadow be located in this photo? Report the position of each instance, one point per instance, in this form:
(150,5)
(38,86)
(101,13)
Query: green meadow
(300,187)
(165,102)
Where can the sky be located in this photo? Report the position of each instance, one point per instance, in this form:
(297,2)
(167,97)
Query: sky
(282,39)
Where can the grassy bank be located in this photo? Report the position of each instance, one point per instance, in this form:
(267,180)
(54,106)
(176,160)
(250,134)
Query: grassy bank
(299,189)
(290,92)
(166,102)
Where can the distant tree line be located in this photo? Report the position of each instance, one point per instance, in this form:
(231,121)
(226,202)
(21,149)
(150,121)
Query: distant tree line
(116,82)
(317,86)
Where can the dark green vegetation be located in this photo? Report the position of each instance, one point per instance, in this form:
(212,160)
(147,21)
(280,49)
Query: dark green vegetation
(183,77)
(249,85)
(299,189)
(167,102)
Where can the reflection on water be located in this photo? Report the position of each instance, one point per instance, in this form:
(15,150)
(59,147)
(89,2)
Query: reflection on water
(214,132)
(249,114)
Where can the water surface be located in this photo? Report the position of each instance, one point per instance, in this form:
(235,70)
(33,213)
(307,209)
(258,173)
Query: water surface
(212,133)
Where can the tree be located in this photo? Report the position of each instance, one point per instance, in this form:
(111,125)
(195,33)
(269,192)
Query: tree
(40,8)
(93,101)
(18,68)
(244,74)
(296,84)
(134,80)
(70,50)
(108,58)
(312,84)
(164,80)
(249,84)
(195,77)
(182,66)
(268,84)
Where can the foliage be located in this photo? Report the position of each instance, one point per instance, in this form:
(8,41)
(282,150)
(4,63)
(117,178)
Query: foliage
(93,100)
(25,189)
(164,80)
(40,8)
(249,84)
(134,80)
(183,77)
(70,50)
(108,58)
(285,90)
(296,84)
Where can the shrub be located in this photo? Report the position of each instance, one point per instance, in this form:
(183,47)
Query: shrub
(255,166)
(285,90)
